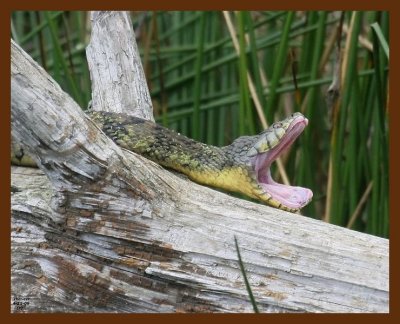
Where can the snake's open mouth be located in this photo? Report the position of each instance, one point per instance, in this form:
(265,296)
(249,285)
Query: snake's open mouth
(288,196)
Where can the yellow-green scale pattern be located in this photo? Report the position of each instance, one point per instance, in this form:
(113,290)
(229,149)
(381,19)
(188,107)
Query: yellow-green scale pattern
(205,164)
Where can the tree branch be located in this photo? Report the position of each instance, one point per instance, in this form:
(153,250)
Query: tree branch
(118,80)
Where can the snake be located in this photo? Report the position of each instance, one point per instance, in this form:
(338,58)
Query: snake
(242,167)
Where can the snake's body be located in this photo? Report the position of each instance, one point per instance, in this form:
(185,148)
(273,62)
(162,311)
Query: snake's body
(241,167)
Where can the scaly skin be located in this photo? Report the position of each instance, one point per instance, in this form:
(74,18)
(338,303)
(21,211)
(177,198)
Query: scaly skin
(241,167)
(19,156)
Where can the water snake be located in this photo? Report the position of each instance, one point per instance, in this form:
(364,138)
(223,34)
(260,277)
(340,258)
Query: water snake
(243,166)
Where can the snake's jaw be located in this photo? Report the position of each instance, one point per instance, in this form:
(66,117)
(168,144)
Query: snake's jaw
(271,144)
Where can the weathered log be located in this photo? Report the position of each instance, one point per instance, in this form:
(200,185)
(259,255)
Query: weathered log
(102,229)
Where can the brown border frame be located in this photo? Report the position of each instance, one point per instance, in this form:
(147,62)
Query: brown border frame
(5,294)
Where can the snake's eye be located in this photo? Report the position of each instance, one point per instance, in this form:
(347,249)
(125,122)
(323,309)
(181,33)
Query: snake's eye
(277,125)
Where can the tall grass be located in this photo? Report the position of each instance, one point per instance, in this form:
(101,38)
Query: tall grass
(200,86)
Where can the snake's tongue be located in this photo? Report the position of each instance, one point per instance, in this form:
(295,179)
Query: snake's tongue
(289,196)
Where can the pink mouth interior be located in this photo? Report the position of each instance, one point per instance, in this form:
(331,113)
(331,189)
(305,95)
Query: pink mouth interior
(289,196)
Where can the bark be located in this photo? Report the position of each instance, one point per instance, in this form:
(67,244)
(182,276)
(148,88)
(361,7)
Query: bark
(101,229)
(118,80)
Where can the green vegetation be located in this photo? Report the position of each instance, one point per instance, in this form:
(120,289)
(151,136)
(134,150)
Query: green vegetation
(215,76)
(246,281)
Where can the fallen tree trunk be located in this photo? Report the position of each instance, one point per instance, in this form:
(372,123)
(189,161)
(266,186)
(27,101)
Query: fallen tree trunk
(101,229)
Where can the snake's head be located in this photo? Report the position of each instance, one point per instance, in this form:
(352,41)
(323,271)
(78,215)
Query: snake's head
(264,149)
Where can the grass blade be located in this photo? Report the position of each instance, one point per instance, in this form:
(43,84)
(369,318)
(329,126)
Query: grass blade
(246,281)
(381,38)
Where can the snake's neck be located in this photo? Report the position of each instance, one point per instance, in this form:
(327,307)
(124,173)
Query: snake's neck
(205,164)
